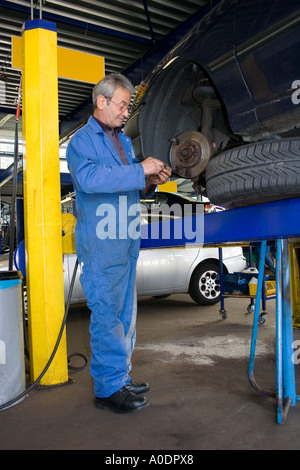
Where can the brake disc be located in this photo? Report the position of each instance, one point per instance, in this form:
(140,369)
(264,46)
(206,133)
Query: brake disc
(189,154)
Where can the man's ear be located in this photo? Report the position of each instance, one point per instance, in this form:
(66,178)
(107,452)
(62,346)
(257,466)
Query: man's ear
(101,100)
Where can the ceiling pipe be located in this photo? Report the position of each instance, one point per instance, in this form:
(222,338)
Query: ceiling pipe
(149,21)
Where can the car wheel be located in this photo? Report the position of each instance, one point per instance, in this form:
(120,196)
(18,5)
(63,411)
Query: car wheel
(255,173)
(204,286)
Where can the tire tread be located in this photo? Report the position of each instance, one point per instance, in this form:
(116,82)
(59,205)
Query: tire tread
(255,173)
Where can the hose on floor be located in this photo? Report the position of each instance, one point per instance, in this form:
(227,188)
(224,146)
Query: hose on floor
(34,384)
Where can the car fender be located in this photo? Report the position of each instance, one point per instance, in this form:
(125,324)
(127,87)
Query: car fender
(205,255)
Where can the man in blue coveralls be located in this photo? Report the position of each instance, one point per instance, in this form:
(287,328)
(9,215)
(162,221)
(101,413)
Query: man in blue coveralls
(104,170)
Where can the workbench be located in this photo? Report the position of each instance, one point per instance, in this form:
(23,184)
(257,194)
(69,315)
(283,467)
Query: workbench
(274,221)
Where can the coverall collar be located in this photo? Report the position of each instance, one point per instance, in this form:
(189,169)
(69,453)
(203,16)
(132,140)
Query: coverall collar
(98,130)
(107,128)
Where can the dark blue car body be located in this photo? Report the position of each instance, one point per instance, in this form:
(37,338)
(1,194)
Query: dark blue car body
(243,57)
(251,52)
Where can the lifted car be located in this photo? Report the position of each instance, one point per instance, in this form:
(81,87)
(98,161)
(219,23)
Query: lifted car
(222,108)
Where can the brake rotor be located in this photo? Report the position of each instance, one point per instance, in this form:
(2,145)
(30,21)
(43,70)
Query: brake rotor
(189,154)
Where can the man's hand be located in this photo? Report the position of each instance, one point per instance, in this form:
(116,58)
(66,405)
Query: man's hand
(154,180)
(152,166)
(156,172)
(161,178)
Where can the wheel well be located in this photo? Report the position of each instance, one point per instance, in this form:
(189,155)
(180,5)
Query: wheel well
(212,261)
(174,105)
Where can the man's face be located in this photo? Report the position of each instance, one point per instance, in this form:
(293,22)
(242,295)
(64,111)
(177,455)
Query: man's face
(113,112)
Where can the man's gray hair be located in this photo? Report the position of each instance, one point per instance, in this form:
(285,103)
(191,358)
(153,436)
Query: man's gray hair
(107,86)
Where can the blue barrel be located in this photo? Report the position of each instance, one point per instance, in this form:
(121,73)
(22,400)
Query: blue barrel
(12,361)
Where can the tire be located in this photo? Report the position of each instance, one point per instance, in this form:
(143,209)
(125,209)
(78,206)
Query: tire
(255,173)
(204,287)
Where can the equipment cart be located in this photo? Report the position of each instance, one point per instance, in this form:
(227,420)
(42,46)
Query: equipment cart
(247,294)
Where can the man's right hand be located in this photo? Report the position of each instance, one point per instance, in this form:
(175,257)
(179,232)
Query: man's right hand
(152,166)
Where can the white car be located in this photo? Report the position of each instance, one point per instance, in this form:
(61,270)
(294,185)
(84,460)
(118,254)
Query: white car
(166,271)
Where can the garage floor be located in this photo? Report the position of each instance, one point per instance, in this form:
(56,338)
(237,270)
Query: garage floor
(196,364)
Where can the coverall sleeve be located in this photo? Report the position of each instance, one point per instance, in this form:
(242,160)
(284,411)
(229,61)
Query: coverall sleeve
(152,190)
(91,176)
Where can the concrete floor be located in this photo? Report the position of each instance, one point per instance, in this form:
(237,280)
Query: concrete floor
(196,364)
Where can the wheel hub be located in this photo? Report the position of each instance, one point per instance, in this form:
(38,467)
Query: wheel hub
(209,285)
(189,154)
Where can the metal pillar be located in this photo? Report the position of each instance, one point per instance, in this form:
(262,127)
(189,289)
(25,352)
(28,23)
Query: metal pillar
(42,211)
(256,319)
(286,376)
(285,369)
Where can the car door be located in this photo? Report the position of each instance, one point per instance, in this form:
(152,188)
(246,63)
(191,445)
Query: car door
(161,271)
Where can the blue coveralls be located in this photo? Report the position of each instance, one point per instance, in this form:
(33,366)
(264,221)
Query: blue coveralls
(108,264)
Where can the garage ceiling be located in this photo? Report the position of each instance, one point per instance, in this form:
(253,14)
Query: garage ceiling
(122,31)
(132,36)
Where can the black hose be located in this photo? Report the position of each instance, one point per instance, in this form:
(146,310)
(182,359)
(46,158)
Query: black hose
(14,400)
(77,368)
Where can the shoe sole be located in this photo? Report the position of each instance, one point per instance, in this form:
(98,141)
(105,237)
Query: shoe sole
(102,406)
(142,392)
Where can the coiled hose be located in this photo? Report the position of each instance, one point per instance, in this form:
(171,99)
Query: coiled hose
(34,384)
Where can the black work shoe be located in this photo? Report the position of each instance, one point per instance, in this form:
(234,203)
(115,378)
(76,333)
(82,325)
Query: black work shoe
(137,388)
(122,401)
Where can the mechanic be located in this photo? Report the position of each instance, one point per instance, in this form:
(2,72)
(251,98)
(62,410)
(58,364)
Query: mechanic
(103,167)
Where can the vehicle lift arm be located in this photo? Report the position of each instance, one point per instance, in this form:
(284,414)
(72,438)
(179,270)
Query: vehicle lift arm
(271,221)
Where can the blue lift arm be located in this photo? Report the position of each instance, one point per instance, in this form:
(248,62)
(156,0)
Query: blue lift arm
(267,221)
(261,223)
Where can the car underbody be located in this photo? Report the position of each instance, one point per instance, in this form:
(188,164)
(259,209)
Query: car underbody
(219,117)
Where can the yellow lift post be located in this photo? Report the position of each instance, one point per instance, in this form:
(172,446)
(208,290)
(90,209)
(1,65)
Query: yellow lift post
(42,210)
(37,54)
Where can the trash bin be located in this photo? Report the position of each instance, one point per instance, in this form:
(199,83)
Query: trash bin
(12,363)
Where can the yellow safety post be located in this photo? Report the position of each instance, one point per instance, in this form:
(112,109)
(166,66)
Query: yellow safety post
(294,255)
(42,209)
